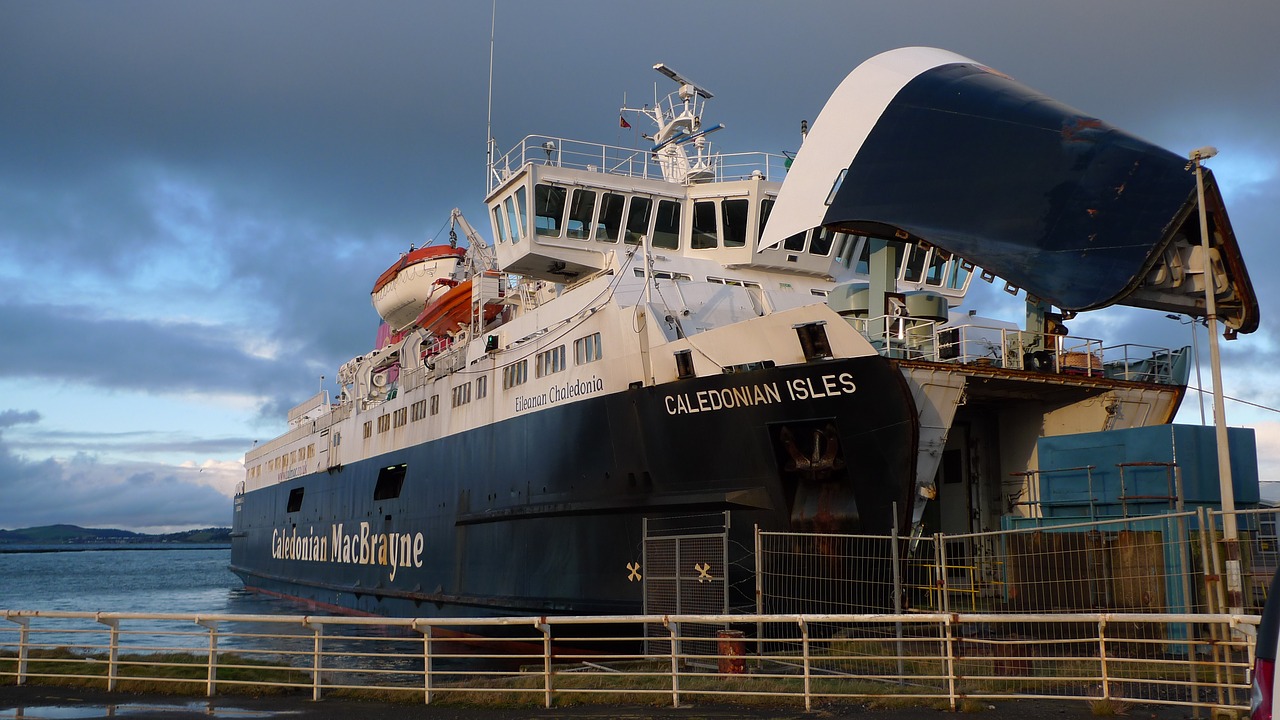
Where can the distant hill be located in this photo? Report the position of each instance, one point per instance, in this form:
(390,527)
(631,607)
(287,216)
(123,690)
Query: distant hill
(76,535)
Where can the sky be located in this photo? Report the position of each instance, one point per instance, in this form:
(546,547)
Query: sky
(196,197)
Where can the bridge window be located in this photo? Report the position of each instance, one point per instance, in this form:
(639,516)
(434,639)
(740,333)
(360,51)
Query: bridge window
(937,269)
(549,210)
(915,264)
(795,243)
(666,227)
(610,222)
(519,232)
(581,211)
(959,275)
(498,228)
(513,222)
(822,242)
(638,219)
(733,222)
(704,226)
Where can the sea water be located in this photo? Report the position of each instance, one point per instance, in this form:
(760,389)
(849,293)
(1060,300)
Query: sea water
(145,579)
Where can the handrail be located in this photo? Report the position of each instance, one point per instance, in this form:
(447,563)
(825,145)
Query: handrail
(953,655)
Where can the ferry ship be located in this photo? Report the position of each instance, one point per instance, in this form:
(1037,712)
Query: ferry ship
(669,330)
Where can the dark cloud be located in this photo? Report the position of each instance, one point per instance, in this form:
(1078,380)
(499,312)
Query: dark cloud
(9,418)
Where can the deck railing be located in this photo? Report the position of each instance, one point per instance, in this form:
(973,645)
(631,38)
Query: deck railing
(793,659)
(624,161)
(1013,349)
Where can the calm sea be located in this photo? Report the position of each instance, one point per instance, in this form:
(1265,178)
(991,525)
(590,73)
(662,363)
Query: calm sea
(148,580)
(160,580)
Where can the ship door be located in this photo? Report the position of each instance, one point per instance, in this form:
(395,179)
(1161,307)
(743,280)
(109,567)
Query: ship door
(334,458)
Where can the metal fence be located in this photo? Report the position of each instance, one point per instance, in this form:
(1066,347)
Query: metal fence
(941,657)
(1167,563)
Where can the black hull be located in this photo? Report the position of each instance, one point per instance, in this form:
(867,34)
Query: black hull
(541,514)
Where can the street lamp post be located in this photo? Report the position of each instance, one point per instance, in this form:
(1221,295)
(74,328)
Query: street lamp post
(1230,532)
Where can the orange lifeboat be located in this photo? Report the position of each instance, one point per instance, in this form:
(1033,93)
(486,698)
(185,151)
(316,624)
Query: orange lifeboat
(452,311)
(417,279)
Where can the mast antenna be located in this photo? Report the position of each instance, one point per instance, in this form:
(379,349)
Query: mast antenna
(488,127)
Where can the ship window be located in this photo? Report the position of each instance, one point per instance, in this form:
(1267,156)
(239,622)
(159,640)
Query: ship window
(586,349)
(959,274)
(295,500)
(311,451)
(368,429)
(513,223)
(863,264)
(549,362)
(899,255)
(390,481)
(733,222)
(610,222)
(384,423)
(462,394)
(666,227)
(499,231)
(581,211)
(704,226)
(515,374)
(822,241)
(482,386)
(400,417)
(638,220)
(435,404)
(914,270)
(795,243)
(937,269)
(549,210)
(418,411)
(519,232)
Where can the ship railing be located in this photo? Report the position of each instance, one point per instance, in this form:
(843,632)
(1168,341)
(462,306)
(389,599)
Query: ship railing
(626,162)
(929,658)
(990,345)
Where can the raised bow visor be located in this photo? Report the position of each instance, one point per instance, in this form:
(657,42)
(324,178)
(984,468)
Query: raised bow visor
(924,143)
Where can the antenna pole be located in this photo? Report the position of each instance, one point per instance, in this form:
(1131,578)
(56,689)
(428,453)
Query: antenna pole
(488,127)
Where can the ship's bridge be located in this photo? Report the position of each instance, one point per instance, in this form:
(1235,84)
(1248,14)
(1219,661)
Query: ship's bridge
(560,208)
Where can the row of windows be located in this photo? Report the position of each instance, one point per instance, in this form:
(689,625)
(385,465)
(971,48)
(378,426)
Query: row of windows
(280,462)
(583,214)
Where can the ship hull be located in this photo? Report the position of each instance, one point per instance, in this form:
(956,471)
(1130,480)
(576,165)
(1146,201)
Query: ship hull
(542,513)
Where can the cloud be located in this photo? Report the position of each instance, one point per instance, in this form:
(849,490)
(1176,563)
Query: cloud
(131,495)
(9,418)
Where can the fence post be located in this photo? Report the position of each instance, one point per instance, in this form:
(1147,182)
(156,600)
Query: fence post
(951,660)
(113,651)
(24,628)
(317,656)
(546,659)
(896,559)
(940,557)
(211,688)
(426,661)
(804,641)
(759,598)
(1102,655)
(674,628)
(1209,539)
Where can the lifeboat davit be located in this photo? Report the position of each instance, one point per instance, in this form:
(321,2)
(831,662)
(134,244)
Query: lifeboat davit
(417,279)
